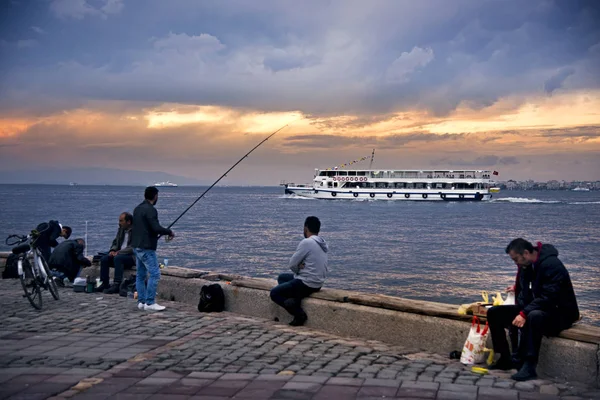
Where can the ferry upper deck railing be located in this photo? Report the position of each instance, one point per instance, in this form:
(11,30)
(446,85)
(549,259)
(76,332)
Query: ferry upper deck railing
(454,175)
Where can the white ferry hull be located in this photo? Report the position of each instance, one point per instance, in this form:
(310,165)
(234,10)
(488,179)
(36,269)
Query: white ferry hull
(394,195)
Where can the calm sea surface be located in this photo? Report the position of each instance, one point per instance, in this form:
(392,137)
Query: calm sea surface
(436,251)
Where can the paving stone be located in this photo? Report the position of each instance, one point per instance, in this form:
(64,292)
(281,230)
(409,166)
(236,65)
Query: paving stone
(341,381)
(536,396)
(450,395)
(410,393)
(337,392)
(549,389)
(525,386)
(157,381)
(382,383)
(452,387)
(421,385)
(205,375)
(504,384)
(302,386)
(498,393)
(377,391)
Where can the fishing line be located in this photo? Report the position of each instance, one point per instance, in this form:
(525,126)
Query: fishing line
(225,174)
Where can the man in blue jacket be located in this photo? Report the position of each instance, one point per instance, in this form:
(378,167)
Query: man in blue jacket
(309,267)
(545,305)
(145,232)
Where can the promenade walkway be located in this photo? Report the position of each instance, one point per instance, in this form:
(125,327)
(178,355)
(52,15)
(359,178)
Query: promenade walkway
(94,346)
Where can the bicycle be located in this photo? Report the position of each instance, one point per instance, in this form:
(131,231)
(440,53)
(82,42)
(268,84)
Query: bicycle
(34,277)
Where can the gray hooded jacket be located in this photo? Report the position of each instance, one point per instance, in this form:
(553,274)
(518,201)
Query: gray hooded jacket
(312,252)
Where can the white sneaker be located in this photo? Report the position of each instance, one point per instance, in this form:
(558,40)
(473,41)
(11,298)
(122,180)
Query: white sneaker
(141,306)
(154,307)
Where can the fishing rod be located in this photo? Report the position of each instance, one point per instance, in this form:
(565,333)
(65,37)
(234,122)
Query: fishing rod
(225,174)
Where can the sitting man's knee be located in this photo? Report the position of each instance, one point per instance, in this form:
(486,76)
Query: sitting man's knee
(273,293)
(535,316)
(492,313)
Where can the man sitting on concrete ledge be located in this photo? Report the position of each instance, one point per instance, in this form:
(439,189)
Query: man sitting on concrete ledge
(309,267)
(545,305)
(120,256)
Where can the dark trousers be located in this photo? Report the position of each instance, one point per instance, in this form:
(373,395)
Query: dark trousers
(538,324)
(289,293)
(119,263)
(46,251)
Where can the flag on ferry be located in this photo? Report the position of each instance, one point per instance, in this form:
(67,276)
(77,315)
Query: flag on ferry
(495,172)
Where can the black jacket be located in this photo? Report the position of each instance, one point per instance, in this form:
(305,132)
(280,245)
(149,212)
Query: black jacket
(69,255)
(146,227)
(546,286)
(50,231)
(118,242)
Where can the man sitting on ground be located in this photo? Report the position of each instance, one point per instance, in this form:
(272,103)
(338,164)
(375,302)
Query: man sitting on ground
(68,258)
(309,267)
(545,305)
(120,256)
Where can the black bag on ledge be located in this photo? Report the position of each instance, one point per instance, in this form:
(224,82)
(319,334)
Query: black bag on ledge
(212,298)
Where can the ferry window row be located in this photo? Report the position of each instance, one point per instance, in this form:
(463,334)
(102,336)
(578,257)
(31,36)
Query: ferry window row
(404,185)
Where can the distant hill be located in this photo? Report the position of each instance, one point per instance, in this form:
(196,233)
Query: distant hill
(94,176)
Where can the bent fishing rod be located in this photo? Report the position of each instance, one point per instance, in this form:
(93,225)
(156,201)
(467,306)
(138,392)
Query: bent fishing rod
(225,174)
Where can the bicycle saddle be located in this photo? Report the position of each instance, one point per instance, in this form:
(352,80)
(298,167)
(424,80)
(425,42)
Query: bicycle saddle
(23,248)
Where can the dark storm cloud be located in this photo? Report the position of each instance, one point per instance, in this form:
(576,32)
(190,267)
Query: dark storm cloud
(556,81)
(350,57)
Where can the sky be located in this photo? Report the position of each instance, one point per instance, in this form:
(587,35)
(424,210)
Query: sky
(187,87)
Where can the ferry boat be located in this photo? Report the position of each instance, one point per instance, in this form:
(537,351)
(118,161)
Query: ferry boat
(580,189)
(425,185)
(165,184)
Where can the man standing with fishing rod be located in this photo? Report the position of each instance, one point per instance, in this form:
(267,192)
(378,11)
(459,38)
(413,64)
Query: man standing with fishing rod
(145,233)
(147,230)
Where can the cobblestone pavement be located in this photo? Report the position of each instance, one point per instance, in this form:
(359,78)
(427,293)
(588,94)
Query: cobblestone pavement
(92,346)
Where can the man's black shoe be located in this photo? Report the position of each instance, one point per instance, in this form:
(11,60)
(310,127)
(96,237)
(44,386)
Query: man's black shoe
(503,364)
(526,372)
(299,320)
(101,288)
(113,289)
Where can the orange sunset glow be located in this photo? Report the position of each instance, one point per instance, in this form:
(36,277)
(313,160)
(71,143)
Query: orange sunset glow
(188,102)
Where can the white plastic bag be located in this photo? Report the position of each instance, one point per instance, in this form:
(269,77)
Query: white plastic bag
(510,299)
(474,349)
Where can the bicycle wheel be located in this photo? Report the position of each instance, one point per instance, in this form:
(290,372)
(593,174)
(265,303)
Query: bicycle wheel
(50,283)
(32,289)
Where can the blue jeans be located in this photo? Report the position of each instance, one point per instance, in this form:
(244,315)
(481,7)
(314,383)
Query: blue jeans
(147,265)
(289,293)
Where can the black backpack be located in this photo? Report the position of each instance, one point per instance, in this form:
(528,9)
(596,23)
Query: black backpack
(128,285)
(11,269)
(212,298)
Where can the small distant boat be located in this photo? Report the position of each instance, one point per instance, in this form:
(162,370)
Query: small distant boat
(165,184)
(580,189)
(73,184)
